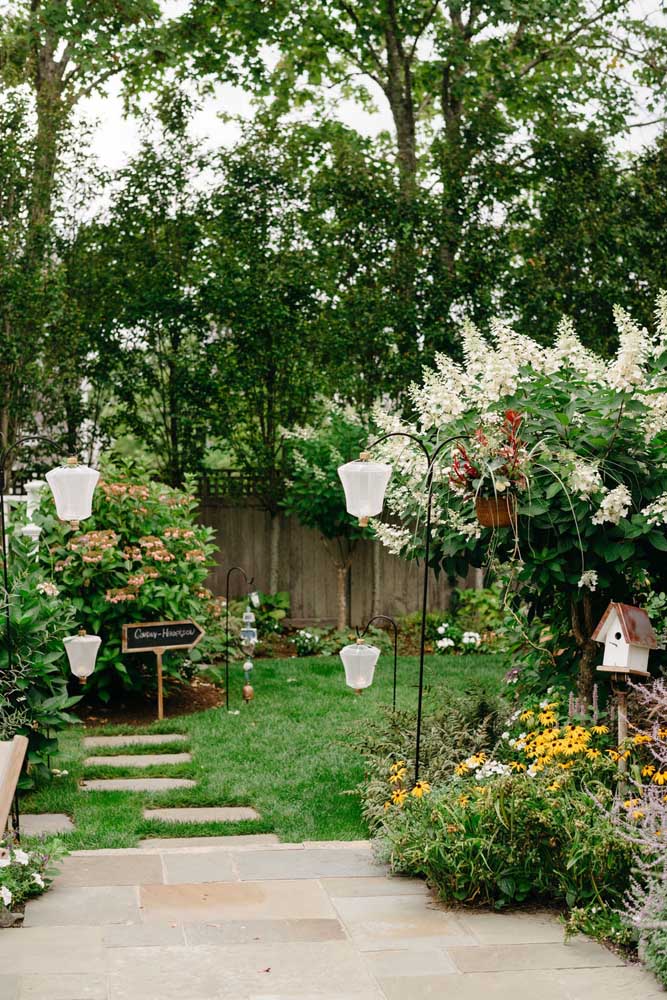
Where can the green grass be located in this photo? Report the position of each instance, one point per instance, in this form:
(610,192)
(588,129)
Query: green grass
(289,754)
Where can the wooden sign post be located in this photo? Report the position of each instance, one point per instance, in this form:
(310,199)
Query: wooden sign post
(159,638)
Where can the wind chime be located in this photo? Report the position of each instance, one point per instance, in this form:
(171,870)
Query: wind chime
(248,643)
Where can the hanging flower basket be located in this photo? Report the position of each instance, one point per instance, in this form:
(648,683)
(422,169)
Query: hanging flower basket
(496,511)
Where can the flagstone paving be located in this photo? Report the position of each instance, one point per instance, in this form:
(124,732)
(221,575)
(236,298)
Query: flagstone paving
(260,921)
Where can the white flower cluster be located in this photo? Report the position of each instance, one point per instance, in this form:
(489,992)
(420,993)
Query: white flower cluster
(626,371)
(656,512)
(394,539)
(588,579)
(507,364)
(48,589)
(445,643)
(492,767)
(471,639)
(614,506)
(585,479)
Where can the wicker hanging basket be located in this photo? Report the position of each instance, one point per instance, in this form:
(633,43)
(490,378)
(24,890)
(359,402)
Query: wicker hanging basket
(497,511)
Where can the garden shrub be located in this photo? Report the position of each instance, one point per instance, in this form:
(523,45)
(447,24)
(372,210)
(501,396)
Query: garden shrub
(142,556)
(34,700)
(580,443)
(511,839)
(641,819)
(467,724)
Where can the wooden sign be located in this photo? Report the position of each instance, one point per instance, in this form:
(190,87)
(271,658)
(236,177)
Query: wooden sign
(159,638)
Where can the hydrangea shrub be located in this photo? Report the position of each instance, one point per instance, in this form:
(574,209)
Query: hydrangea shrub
(142,556)
(34,699)
(588,468)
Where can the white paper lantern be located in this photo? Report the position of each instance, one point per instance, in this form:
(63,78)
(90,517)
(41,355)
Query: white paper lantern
(364,483)
(359,661)
(82,652)
(253,597)
(73,487)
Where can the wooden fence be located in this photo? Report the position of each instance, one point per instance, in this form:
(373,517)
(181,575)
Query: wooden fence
(379,582)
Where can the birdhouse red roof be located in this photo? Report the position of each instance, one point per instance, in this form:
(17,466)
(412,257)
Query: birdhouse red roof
(634,622)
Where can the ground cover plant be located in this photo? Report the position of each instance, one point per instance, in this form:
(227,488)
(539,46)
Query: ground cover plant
(25,874)
(289,753)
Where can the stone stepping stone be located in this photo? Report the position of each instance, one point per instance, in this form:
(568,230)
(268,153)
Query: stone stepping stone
(134,739)
(38,824)
(135,784)
(138,760)
(205,814)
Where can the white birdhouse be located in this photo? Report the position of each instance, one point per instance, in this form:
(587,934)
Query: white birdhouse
(628,638)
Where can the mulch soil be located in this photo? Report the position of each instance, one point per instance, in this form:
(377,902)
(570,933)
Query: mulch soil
(181,698)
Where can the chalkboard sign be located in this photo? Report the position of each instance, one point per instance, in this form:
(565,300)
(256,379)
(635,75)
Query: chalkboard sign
(158,637)
(161,635)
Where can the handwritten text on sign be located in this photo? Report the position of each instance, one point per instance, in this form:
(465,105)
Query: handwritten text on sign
(161,635)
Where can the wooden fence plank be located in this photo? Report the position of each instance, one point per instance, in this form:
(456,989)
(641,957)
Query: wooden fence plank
(307,571)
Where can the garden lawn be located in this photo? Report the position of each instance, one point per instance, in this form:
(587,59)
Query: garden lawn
(289,753)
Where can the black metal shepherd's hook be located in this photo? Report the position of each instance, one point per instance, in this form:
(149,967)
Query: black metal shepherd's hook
(393,624)
(431,458)
(248,582)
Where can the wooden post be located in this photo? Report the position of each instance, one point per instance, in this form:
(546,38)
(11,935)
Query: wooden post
(160,704)
(622,697)
(12,753)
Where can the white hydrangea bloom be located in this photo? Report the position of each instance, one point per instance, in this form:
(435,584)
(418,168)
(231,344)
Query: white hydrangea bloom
(626,371)
(5,895)
(394,539)
(614,506)
(585,479)
(656,512)
(445,643)
(569,352)
(441,396)
(588,579)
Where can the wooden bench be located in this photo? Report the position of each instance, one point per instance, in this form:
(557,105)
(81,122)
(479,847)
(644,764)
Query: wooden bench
(12,755)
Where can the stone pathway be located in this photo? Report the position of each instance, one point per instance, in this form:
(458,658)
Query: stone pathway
(257,920)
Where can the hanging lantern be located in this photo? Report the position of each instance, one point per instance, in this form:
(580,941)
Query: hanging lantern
(81,652)
(364,483)
(31,531)
(253,597)
(359,661)
(73,486)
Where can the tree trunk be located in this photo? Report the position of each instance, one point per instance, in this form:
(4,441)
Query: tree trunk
(342,573)
(582,627)
(274,561)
